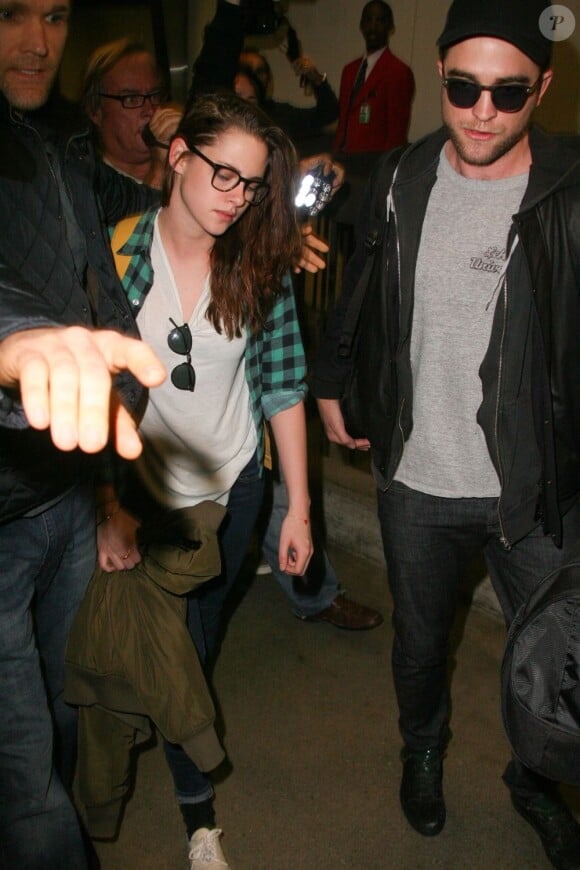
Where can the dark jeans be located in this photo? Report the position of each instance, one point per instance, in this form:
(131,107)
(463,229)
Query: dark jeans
(45,565)
(428,542)
(205,607)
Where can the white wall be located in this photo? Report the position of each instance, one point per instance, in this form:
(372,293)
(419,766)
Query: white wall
(328,31)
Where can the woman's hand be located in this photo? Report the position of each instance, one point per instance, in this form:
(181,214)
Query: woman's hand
(295,548)
(117,541)
(295,544)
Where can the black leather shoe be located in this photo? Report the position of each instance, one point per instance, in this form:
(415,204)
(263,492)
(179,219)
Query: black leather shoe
(556,826)
(422,790)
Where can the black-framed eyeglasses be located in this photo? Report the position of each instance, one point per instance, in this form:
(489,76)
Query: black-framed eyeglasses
(464,93)
(225,178)
(136,101)
(180,341)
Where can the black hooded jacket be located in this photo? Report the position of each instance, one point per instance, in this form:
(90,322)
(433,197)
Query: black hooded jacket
(530,413)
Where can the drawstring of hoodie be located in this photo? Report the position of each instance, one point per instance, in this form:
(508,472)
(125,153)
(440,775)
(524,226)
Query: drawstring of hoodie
(503,272)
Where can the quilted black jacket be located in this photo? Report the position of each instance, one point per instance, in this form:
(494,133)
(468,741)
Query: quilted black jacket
(47,164)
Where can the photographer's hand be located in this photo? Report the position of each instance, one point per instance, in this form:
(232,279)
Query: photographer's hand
(328,166)
(312,246)
(306,69)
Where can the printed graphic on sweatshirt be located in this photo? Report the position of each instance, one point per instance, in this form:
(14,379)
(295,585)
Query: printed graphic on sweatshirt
(492,260)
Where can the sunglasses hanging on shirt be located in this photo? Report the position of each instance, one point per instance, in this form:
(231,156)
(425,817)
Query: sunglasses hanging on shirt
(180,341)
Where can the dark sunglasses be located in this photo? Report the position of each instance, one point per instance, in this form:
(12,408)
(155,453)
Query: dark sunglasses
(180,341)
(464,94)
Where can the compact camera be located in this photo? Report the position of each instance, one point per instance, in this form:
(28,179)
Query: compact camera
(315,190)
(261,16)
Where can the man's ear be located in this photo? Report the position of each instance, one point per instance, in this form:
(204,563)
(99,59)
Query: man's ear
(96,116)
(546,81)
(176,151)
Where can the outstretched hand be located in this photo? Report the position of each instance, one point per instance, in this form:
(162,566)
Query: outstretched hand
(65,379)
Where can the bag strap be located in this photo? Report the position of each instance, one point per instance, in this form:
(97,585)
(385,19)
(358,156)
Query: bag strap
(381,211)
(121,235)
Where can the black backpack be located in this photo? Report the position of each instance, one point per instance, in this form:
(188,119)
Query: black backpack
(540,678)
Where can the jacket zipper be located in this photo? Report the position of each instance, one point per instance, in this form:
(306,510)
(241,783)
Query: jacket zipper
(504,279)
(391,207)
(502,537)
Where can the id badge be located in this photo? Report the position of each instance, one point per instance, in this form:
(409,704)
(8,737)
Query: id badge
(364,114)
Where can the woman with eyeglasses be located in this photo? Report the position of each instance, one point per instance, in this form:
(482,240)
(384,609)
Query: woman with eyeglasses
(208,279)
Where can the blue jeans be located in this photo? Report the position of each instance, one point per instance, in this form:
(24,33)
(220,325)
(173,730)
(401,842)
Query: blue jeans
(205,608)
(46,562)
(320,585)
(428,542)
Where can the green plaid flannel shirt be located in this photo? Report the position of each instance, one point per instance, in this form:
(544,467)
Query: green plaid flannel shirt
(274,359)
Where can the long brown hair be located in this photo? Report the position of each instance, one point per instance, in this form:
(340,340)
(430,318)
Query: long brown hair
(249,261)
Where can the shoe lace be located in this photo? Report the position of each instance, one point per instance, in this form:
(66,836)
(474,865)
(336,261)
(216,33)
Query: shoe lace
(206,848)
(427,775)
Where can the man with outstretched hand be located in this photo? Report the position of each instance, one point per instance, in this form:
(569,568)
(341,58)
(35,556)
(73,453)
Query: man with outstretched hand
(57,404)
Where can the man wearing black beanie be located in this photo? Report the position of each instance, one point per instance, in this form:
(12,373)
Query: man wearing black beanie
(463,375)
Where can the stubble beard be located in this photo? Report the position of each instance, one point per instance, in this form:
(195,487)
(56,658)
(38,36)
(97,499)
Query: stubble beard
(469,153)
(28,99)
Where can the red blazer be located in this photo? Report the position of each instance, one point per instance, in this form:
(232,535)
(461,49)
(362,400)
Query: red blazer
(387,93)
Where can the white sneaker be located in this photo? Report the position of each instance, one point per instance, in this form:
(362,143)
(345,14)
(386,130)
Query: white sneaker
(263,568)
(205,852)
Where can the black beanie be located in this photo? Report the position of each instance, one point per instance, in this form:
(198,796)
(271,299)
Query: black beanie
(516,21)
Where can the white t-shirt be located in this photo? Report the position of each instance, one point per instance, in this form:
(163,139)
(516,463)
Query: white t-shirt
(195,443)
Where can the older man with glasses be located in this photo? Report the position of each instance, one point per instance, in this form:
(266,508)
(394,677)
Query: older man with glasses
(123,95)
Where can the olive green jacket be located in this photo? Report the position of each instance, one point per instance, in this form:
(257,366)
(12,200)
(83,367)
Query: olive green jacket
(130,659)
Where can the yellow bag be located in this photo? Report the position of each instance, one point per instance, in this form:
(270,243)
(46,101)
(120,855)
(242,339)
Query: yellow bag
(121,234)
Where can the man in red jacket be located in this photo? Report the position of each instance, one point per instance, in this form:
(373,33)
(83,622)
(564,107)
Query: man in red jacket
(376,90)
